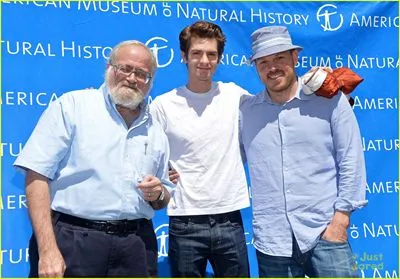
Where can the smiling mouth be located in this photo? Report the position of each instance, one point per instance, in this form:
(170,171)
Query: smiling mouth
(276,75)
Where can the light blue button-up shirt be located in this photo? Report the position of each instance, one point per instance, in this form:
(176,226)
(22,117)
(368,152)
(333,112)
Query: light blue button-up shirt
(93,160)
(305,160)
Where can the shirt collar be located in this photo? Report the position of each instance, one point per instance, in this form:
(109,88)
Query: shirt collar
(265,97)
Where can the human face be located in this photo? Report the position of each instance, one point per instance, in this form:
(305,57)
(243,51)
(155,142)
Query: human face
(129,90)
(202,59)
(277,72)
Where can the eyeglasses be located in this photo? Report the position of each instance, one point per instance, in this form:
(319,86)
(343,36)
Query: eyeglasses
(127,70)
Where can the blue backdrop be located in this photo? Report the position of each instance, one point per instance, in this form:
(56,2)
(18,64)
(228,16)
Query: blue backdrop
(51,47)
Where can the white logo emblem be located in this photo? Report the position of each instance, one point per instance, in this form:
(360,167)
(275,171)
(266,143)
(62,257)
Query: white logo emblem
(156,48)
(162,239)
(325,16)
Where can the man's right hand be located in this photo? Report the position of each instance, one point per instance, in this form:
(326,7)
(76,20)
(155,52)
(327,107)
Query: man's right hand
(51,264)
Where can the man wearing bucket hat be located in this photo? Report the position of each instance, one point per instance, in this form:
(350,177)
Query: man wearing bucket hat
(306,167)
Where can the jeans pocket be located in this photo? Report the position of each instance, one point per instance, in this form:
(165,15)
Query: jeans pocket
(236,224)
(178,226)
(327,242)
(333,259)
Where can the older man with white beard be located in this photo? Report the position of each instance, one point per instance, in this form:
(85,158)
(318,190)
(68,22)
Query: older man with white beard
(96,168)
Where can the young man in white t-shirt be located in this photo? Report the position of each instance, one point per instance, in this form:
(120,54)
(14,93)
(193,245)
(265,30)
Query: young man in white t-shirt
(201,122)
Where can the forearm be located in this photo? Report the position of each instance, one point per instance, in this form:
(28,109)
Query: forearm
(38,197)
(341,218)
(350,159)
(51,262)
(336,230)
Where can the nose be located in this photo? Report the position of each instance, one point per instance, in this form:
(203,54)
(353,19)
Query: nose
(204,59)
(271,66)
(132,77)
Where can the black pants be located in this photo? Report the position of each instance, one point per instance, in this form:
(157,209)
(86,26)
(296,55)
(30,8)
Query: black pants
(93,253)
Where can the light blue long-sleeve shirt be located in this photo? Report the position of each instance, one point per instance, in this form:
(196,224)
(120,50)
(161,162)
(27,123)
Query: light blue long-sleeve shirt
(92,159)
(305,160)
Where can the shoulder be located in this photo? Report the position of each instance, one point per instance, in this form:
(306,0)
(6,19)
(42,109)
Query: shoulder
(82,95)
(158,102)
(167,96)
(77,102)
(167,100)
(231,88)
(332,103)
(248,101)
(326,108)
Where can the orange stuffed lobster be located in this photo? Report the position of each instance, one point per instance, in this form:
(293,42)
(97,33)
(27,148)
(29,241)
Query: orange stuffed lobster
(327,82)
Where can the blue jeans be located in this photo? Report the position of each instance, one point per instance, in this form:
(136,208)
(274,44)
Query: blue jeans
(218,238)
(326,259)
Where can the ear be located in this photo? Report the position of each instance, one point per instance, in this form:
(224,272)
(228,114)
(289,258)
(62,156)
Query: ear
(295,56)
(184,58)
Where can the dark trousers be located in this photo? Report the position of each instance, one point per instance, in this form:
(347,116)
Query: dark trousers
(96,253)
(217,238)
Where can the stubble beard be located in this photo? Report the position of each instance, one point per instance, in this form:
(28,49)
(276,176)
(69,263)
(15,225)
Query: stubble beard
(282,86)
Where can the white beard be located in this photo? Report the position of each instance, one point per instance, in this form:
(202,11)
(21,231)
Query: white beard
(126,97)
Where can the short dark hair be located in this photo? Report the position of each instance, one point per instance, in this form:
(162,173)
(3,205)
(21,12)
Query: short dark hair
(205,30)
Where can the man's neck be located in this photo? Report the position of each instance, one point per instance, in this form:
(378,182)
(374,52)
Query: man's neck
(129,115)
(199,86)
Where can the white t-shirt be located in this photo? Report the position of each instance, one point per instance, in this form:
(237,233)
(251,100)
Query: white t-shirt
(203,135)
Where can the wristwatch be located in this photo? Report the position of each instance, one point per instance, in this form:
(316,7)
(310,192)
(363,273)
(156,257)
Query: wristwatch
(162,195)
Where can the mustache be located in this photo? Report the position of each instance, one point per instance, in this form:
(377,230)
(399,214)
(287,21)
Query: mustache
(276,71)
(131,86)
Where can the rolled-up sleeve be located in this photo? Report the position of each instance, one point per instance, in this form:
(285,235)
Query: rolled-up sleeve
(350,158)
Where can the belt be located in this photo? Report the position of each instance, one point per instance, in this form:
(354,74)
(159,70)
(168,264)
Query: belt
(113,227)
(221,217)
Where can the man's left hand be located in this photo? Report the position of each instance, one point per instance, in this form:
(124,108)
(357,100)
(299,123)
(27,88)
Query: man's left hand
(336,231)
(173,176)
(151,188)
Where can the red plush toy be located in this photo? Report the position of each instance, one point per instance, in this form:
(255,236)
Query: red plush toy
(327,82)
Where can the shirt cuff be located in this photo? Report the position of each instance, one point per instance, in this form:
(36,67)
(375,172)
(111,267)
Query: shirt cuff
(168,185)
(346,205)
